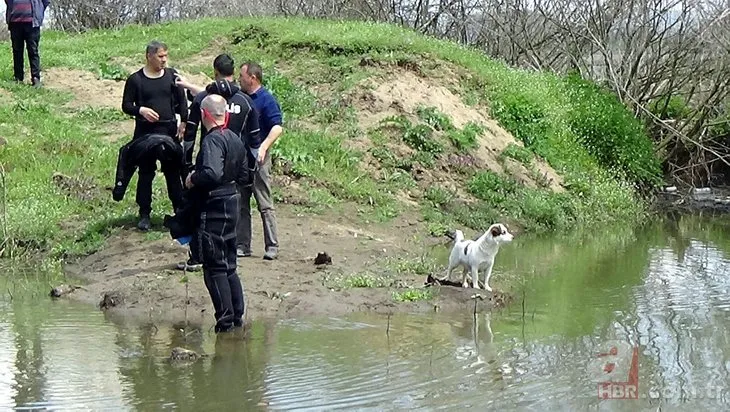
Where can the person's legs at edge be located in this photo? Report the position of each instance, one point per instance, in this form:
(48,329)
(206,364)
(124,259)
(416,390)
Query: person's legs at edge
(33,38)
(17,40)
(243,228)
(265,204)
(145,176)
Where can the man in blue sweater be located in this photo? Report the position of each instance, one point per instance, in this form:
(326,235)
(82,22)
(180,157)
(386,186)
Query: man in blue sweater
(24,19)
(270,122)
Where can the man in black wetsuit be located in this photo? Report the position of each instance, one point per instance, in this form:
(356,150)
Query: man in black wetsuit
(151,96)
(220,166)
(242,120)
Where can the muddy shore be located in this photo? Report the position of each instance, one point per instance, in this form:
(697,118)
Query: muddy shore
(137,277)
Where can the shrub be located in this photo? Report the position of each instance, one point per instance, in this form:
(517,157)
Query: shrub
(609,132)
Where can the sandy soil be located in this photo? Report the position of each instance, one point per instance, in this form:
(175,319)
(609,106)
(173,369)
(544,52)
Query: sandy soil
(136,276)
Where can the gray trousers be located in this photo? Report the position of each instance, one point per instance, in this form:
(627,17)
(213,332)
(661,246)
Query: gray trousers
(261,190)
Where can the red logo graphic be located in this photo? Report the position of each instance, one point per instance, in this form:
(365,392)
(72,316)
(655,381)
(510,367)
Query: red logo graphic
(619,361)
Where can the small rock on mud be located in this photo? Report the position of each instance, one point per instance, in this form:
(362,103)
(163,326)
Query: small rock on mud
(182,354)
(110,300)
(323,259)
(62,290)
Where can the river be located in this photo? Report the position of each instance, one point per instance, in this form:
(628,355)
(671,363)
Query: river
(663,290)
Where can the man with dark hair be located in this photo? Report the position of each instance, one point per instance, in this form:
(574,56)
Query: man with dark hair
(24,19)
(151,96)
(242,120)
(220,166)
(270,121)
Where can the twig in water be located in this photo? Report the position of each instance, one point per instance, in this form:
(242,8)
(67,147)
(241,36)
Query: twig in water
(187,294)
(6,242)
(523,305)
(523,313)
(387,328)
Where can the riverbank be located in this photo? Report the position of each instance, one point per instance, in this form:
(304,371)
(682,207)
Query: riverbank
(382,128)
(372,270)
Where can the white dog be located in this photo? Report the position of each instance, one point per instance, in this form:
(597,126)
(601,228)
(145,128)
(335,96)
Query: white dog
(472,254)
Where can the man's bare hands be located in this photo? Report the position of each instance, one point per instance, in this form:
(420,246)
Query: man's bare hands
(261,155)
(149,114)
(180,131)
(189,181)
(193,88)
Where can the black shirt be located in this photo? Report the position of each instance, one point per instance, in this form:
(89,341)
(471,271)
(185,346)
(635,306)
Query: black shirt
(220,160)
(160,94)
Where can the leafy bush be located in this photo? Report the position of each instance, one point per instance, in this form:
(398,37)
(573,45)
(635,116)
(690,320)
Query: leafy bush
(489,186)
(609,132)
(669,107)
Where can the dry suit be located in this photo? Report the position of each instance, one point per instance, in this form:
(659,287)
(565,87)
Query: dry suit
(143,151)
(220,165)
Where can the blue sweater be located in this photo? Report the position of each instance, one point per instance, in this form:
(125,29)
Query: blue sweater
(268,109)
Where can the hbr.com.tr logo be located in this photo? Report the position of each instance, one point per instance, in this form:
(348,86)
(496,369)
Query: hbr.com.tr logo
(616,369)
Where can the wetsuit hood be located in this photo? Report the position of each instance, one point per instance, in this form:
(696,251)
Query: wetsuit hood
(223,87)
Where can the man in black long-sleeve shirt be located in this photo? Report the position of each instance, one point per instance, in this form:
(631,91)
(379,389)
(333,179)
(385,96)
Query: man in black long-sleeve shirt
(221,164)
(151,96)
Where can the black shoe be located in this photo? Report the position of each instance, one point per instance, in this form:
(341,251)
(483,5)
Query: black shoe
(144,224)
(36,82)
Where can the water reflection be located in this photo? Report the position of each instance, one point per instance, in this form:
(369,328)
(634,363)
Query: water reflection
(664,289)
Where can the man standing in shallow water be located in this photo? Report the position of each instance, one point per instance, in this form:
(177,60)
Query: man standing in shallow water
(220,167)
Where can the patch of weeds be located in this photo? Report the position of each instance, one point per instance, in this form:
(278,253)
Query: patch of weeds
(434,118)
(397,179)
(378,214)
(439,197)
(477,216)
(111,71)
(320,200)
(419,137)
(423,265)
(465,138)
(155,235)
(519,153)
(322,158)
(100,115)
(437,223)
(297,100)
(332,111)
(413,295)
(357,280)
(491,187)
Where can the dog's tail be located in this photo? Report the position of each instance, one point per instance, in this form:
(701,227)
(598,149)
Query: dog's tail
(458,236)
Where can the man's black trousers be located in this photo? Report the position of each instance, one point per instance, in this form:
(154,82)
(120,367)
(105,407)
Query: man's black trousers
(148,167)
(215,245)
(25,36)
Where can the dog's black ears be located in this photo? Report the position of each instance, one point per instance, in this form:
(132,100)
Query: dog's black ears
(496,231)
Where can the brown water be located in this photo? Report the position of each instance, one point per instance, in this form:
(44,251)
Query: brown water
(664,289)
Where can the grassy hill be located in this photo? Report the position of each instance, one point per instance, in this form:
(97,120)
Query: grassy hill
(379,120)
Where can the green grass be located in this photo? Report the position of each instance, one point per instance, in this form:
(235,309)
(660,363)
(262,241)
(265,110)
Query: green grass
(600,150)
